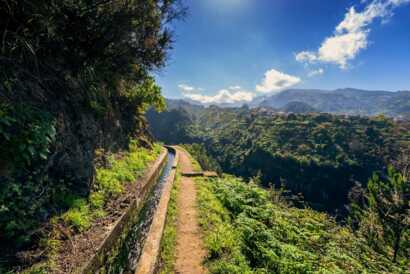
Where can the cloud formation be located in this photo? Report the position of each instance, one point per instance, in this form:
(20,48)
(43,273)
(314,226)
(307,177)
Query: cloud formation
(231,95)
(351,35)
(224,96)
(316,72)
(186,88)
(276,81)
(235,87)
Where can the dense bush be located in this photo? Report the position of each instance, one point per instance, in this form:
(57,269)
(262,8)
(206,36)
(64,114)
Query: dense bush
(75,76)
(25,136)
(200,154)
(247,232)
(121,171)
(382,213)
(106,38)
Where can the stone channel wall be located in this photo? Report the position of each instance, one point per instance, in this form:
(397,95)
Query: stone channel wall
(151,249)
(112,243)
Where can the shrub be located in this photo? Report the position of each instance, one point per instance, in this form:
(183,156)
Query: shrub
(64,68)
(221,238)
(245,232)
(97,200)
(78,216)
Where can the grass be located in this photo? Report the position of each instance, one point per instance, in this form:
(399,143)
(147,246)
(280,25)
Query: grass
(52,246)
(123,168)
(109,184)
(202,161)
(246,231)
(195,164)
(220,237)
(169,238)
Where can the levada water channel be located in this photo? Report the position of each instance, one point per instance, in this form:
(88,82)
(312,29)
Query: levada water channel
(130,252)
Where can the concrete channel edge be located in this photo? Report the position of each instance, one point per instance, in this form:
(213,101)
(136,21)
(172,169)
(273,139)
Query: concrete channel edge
(151,249)
(122,226)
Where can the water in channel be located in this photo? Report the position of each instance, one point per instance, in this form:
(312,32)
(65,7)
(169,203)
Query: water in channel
(130,252)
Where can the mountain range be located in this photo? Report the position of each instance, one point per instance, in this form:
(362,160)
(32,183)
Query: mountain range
(340,101)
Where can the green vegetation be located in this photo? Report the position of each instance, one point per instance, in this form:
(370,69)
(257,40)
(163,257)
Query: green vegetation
(78,216)
(179,133)
(201,158)
(166,257)
(75,83)
(321,156)
(221,240)
(248,231)
(121,169)
(75,78)
(382,214)
(25,135)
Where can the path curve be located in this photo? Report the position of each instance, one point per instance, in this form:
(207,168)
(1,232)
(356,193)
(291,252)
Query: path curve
(190,252)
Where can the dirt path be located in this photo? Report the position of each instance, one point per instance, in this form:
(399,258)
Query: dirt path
(190,252)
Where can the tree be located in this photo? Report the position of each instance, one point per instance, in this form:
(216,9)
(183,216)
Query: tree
(386,206)
(74,77)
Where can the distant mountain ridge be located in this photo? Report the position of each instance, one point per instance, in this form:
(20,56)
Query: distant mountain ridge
(349,101)
(345,101)
(298,107)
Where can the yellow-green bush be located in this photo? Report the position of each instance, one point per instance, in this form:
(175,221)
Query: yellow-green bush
(110,182)
(126,169)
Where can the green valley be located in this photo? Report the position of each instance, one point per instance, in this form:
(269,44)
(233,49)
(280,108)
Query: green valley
(320,156)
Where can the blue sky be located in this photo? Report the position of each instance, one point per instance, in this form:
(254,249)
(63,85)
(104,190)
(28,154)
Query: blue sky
(234,50)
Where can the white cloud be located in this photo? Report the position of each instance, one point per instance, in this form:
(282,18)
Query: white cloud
(351,35)
(186,88)
(276,81)
(224,96)
(340,49)
(316,72)
(306,56)
(235,87)
(231,95)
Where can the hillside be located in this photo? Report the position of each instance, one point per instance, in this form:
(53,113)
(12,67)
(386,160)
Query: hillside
(297,107)
(251,230)
(321,156)
(245,228)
